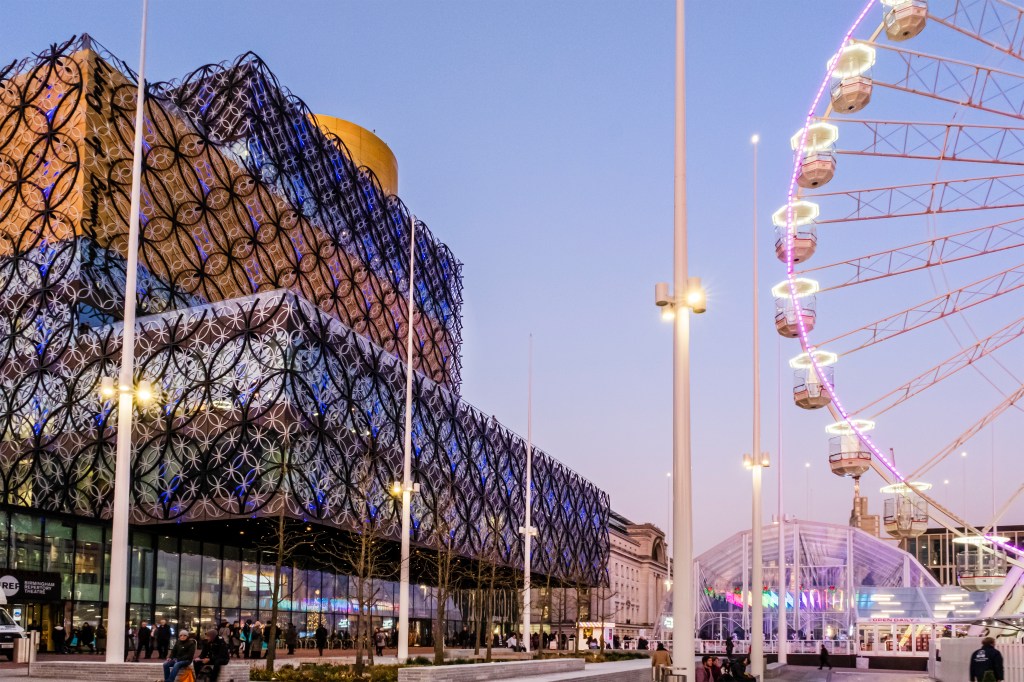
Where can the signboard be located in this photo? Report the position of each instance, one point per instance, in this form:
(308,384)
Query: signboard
(29,585)
(899,621)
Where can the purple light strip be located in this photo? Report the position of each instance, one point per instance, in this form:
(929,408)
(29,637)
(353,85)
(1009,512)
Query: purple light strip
(805,342)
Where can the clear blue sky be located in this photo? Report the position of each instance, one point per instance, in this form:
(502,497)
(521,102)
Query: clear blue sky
(535,138)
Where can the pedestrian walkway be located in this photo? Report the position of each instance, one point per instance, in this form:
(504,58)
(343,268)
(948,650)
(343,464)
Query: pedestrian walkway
(627,671)
(796,673)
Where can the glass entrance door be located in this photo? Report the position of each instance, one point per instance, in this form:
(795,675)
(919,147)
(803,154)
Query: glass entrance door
(41,617)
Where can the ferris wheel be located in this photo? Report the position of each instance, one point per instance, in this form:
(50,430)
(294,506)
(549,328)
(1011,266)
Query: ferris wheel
(901,237)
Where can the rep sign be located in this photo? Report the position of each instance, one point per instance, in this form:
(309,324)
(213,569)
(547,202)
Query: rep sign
(30,585)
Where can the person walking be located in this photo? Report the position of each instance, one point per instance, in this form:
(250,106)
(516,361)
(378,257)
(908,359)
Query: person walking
(225,633)
(143,641)
(987,663)
(181,656)
(379,640)
(321,638)
(247,639)
(291,638)
(660,660)
(162,638)
(101,638)
(823,658)
(60,638)
(235,641)
(256,641)
(728,646)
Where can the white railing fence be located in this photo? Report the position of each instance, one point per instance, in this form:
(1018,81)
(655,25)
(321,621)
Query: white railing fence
(835,647)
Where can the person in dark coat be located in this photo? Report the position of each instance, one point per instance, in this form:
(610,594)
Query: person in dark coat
(256,641)
(162,636)
(101,638)
(987,660)
(247,638)
(321,638)
(291,638)
(85,637)
(60,638)
(181,656)
(143,641)
(823,658)
(728,646)
(213,655)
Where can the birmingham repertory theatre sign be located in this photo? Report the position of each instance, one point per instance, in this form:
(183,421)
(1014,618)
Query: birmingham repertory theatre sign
(271,311)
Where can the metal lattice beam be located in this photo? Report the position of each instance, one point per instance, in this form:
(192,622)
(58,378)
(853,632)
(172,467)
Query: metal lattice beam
(932,141)
(945,369)
(951,80)
(932,310)
(941,196)
(980,241)
(996,23)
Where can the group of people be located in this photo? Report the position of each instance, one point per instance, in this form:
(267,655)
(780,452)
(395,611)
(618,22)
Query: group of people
(712,668)
(207,657)
(81,639)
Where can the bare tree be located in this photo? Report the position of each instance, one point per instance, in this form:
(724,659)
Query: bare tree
(443,559)
(365,557)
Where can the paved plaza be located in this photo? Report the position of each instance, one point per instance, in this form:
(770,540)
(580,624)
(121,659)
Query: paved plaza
(792,673)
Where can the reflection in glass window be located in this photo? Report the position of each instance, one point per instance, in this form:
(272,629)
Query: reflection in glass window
(58,553)
(167,571)
(232,581)
(87,562)
(191,574)
(26,542)
(210,593)
(140,567)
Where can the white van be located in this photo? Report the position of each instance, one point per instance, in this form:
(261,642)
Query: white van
(9,630)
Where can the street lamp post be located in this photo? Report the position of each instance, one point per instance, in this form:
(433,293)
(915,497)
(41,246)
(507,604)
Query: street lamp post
(687,295)
(807,490)
(963,456)
(407,487)
(118,604)
(756,462)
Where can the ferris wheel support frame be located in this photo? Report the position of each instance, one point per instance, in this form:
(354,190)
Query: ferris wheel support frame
(879,462)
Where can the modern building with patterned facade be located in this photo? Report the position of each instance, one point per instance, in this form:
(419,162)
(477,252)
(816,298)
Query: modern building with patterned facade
(272,297)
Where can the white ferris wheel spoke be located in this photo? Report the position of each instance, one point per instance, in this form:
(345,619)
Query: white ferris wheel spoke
(941,196)
(951,80)
(932,310)
(945,369)
(934,141)
(996,23)
(951,248)
(973,430)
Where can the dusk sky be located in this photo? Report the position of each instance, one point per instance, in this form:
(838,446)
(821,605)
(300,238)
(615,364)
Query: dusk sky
(535,138)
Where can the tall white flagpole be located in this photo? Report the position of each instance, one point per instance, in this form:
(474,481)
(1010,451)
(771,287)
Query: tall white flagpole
(683,617)
(528,530)
(403,586)
(118,588)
